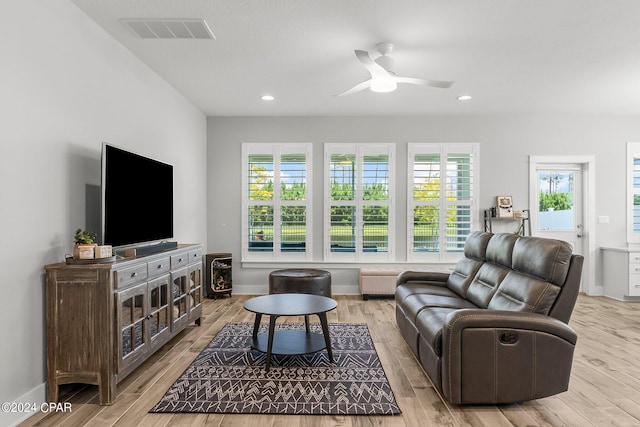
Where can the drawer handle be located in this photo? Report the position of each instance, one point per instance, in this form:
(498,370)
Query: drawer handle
(134,274)
(159,266)
(179,259)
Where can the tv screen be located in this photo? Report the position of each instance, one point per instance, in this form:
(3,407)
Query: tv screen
(137,198)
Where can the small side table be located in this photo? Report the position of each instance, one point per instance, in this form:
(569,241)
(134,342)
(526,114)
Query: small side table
(290,342)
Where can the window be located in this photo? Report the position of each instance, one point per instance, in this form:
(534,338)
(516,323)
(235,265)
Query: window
(441,197)
(358,214)
(633,192)
(276,202)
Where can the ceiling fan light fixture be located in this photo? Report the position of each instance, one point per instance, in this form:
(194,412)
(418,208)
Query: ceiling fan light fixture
(383,77)
(267,97)
(382,85)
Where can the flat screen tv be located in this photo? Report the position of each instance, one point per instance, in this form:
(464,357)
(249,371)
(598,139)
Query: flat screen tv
(137,198)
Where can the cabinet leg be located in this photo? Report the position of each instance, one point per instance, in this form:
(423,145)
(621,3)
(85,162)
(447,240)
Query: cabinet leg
(107,392)
(198,321)
(52,391)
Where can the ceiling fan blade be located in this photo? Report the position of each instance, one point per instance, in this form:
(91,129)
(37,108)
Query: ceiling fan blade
(425,82)
(373,67)
(357,88)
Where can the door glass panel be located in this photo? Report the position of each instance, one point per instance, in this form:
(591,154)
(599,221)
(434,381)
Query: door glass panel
(158,310)
(126,306)
(196,286)
(179,292)
(132,324)
(556,200)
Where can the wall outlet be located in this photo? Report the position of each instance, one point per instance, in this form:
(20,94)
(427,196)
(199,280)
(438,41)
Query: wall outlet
(603,219)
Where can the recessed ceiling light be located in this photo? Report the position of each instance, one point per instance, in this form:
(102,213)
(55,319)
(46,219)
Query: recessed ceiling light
(267,97)
(464,97)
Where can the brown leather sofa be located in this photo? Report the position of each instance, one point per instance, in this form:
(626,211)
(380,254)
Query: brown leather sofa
(495,330)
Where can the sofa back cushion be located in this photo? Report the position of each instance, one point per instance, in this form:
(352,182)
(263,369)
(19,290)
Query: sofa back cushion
(547,259)
(493,271)
(475,250)
(540,268)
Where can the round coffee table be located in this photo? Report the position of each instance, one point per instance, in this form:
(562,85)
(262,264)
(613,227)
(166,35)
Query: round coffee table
(288,341)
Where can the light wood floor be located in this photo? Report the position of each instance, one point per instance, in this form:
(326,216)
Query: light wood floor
(604,388)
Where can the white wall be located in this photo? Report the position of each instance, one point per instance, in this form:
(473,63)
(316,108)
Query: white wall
(66,86)
(505,145)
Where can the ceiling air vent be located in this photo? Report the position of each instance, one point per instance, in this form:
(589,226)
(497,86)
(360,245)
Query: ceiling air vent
(170,28)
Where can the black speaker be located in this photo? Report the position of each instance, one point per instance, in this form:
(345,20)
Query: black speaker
(151,249)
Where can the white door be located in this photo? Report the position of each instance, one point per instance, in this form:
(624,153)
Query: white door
(557,212)
(576,176)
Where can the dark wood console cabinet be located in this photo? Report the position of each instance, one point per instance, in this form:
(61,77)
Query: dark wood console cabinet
(104,320)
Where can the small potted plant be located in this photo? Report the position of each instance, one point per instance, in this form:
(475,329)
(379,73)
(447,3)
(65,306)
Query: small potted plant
(85,244)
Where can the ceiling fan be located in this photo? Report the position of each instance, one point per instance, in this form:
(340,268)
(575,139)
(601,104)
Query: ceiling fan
(383,77)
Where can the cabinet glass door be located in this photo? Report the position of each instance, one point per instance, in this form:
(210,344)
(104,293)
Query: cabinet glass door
(158,308)
(195,287)
(132,317)
(179,295)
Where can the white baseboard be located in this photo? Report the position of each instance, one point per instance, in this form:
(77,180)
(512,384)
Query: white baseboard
(18,408)
(349,289)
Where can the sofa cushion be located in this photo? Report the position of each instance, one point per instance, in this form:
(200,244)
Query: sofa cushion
(475,249)
(429,323)
(521,292)
(406,289)
(546,259)
(413,304)
(475,246)
(485,284)
(462,275)
(500,249)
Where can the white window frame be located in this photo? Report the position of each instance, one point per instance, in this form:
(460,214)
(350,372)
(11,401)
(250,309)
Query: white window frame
(277,150)
(633,152)
(360,150)
(443,149)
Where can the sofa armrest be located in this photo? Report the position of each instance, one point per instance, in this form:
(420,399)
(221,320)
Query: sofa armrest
(492,356)
(423,277)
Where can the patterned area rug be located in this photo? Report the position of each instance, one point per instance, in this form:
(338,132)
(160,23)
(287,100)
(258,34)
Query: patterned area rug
(229,377)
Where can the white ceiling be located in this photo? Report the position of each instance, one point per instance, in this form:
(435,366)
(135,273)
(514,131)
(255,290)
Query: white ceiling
(524,56)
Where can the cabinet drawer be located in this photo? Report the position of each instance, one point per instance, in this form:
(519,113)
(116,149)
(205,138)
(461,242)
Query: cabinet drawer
(130,276)
(180,260)
(634,257)
(195,256)
(634,285)
(159,267)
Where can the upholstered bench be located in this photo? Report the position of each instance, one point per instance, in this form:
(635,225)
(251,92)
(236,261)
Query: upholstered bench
(378,280)
(300,281)
(382,280)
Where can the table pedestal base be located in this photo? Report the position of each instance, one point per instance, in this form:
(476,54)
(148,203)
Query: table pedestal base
(289,342)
